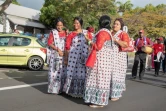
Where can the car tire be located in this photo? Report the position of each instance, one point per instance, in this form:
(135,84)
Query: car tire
(35,63)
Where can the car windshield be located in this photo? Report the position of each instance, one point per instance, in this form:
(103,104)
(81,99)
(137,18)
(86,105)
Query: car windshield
(40,42)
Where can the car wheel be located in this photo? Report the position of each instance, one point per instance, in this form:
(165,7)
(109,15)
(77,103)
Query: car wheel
(35,63)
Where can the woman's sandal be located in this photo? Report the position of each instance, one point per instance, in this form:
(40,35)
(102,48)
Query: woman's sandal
(114,99)
(96,106)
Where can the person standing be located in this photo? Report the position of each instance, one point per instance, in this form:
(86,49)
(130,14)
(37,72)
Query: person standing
(140,55)
(56,73)
(149,59)
(158,55)
(121,39)
(76,53)
(154,42)
(97,85)
(164,61)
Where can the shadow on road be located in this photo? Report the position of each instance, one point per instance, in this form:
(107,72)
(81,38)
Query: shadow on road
(160,75)
(75,100)
(149,81)
(29,77)
(19,68)
(13,67)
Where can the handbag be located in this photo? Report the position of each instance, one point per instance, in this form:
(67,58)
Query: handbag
(130,48)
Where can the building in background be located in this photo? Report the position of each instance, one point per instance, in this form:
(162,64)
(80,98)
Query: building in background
(23,19)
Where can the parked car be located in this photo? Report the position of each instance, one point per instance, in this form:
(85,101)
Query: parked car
(20,50)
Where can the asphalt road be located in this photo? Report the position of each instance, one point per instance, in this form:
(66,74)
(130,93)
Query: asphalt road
(25,90)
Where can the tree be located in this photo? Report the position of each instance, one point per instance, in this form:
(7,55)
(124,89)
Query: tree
(15,2)
(127,6)
(152,19)
(150,8)
(161,9)
(5,5)
(89,10)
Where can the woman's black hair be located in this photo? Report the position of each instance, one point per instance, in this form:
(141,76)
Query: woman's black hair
(104,22)
(59,19)
(79,19)
(121,22)
(87,28)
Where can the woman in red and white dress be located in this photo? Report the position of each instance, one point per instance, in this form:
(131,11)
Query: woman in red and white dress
(56,42)
(100,61)
(121,40)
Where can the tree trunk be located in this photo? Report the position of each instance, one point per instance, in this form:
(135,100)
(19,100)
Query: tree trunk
(5,5)
(4,22)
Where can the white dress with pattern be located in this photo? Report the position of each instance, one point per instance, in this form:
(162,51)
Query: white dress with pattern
(98,78)
(119,71)
(76,69)
(56,74)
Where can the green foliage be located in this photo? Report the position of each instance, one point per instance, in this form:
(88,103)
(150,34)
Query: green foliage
(127,6)
(151,18)
(89,10)
(15,2)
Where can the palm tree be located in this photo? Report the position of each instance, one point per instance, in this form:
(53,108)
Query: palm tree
(127,6)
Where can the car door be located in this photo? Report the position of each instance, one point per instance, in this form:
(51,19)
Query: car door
(4,41)
(19,50)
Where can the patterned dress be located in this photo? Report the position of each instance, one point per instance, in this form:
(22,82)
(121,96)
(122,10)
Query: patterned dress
(119,70)
(76,69)
(98,78)
(56,74)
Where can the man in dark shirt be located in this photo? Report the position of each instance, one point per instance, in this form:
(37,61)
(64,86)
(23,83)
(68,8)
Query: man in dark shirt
(164,61)
(140,55)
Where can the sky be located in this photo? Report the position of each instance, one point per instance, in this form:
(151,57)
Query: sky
(143,3)
(37,4)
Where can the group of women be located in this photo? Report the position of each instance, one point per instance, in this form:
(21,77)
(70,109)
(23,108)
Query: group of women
(92,67)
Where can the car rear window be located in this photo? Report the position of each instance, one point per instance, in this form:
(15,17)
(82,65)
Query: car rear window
(4,41)
(40,42)
(19,41)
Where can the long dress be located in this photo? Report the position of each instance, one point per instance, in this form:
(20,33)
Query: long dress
(56,74)
(97,87)
(76,69)
(153,59)
(119,68)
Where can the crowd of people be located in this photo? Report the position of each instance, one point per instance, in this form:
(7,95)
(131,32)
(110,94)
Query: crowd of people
(92,65)
(152,59)
(87,65)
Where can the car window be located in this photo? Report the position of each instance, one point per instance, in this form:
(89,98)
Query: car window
(19,41)
(4,41)
(40,42)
